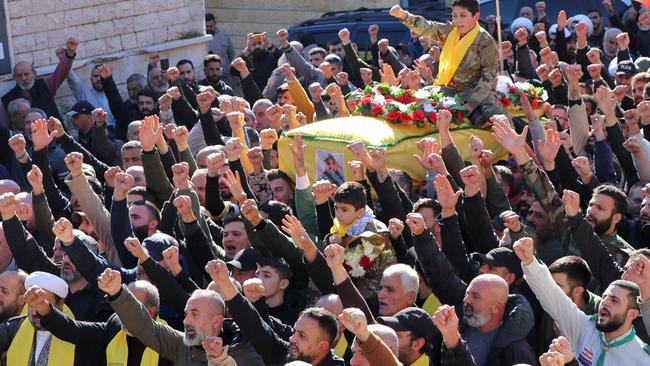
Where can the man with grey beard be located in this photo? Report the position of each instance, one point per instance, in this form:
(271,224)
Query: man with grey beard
(84,299)
(204,317)
(493,323)
(39,92)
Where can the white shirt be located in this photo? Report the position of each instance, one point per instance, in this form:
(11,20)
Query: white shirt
(578,327)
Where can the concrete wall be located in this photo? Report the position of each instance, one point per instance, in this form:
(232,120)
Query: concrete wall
(241,17)
(118,32)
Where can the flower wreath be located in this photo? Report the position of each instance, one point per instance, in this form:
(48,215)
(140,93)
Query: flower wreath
(361,254)
(406,106)
(508,95)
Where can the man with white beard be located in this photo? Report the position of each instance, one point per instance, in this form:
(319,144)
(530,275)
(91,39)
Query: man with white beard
(204,317)
(39,92)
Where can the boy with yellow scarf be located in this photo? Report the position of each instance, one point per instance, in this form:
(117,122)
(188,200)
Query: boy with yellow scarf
(469,58)
(354,224)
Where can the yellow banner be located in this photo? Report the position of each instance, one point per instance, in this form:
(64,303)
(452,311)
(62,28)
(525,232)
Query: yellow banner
(326,154)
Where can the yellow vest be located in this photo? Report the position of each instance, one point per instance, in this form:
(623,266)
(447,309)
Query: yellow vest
(117,352)
(61,352)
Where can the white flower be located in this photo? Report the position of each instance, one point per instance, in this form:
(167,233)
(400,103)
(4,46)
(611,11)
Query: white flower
(428,108)
(422,94)
(525,86)
(503,84)
(357,272)
(448,102)
(378,99)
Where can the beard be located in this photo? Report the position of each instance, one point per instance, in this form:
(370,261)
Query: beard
(296,355)
(36,321)
(69,274)
(474,319)
(614,323)
(141,232)
(26,86)
(159,89)
(194,338)
(9,311)
(600,227)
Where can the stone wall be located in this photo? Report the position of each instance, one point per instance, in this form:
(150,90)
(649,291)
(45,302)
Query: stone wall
(38,27)
(119,33)
(241,17)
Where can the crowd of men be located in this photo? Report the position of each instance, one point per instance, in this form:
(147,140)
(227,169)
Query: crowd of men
(158,229)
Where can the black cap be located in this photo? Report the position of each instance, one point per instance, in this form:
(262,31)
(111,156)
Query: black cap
(501,257)
(246,259)
(414,319)
(627,67)
(156,244)
(83,107)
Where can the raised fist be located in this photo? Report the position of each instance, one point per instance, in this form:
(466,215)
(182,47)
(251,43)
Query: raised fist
(110,281)
(74,162)
(525,250)
(63,231)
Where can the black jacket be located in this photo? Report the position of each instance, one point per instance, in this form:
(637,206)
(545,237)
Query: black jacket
(82,355)
(264,339)
(94,337)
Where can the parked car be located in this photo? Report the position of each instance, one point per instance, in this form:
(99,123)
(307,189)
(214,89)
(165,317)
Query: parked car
(324,29)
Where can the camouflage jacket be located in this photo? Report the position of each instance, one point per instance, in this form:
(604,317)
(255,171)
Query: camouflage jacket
(476,77)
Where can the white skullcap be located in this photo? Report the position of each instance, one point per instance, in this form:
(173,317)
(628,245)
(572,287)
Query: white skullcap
(553,29)
(521,22)
(49,282)
(582,18)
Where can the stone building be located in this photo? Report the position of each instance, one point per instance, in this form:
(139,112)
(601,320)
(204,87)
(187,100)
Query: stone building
(241,17)
(120,33)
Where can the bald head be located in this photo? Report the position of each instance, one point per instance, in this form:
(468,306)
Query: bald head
(493,285)
(8,185)
(12,289)
(331,303)
(387,335)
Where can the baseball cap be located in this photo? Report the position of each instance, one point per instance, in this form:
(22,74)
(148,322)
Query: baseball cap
(627,67)
(246,259)
(500,257)
(82,107)
(411,319)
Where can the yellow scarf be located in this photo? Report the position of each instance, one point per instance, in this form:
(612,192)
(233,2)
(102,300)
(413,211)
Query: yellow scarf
(117,352)
(61,352)
(453,53)
(431,304)
(421,361)
(341,346)
(340,230)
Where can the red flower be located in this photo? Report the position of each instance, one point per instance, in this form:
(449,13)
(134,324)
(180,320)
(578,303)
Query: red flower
(403,99)
(376,110)
(393,115)
(418,115)
(459,116)
(365,262)
(512,88)
(433,117)
(505,101)
(404,118)
(347,266)
(366,101)
(357,102)
(535,103)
